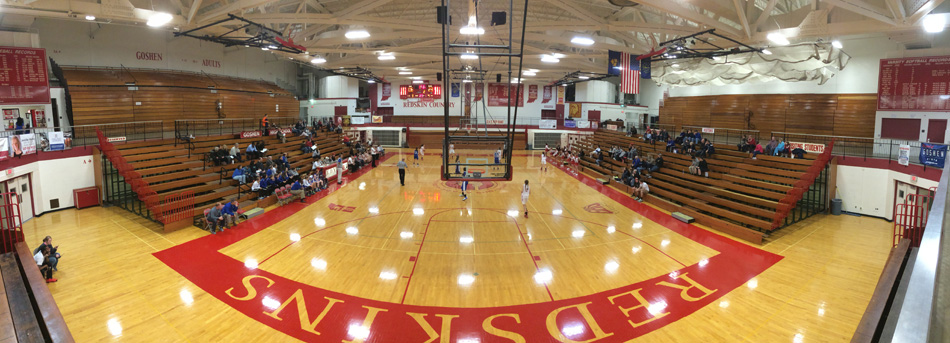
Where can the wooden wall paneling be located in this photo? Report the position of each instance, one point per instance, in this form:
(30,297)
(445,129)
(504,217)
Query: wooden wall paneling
(855,115)
(157,103)
(768,113)
(729,111)
(811,113)
(697,111)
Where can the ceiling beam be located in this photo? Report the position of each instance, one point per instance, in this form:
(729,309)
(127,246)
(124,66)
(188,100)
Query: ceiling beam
(577,11)
(862,8)
(919,14)
(236,6)
(195,5)
(612,26)
(766,13)
(742,18)
(675,8)
(331,19)
(897,9)
(360,8)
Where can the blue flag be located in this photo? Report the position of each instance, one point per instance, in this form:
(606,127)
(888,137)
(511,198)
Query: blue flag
(645,68)
(933,155)
(613,62)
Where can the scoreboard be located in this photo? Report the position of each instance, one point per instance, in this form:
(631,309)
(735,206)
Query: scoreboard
(420,91)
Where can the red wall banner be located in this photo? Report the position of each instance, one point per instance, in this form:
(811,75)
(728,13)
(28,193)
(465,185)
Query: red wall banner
(23,78)
(498,94)
(914,84)
(479,90)
(387,91)
(547,94)
(532,93)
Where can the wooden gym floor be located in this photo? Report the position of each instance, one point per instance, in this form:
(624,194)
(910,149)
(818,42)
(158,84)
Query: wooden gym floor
(375,261)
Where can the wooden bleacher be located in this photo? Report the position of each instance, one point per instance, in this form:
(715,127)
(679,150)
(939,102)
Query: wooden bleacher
(170,170)
(740,196)
(28,312)
(102,95)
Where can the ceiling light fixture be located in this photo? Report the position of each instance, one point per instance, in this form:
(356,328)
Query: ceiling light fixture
(318,60)
(265,48)
(675,65)
(386,56)
(357,34)
(582,40)
(370,81)
(934,23)
(417,81)
(90,17)
(159,19)
(777,38)
(529,73)
(468,57)
(583,77)
(549,59)
(405,73)
(837,44)
(472,28)
(766,51)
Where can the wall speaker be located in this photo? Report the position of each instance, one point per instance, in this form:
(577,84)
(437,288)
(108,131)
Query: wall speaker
(442,14)
(499,18)
(497,77)
(438,76)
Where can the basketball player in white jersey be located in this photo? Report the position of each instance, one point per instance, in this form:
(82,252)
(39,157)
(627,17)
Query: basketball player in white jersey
(544,162)
(451,150)
(422,152)
(524,197)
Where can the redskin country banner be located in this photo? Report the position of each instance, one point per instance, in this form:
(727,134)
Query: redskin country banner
(500,94)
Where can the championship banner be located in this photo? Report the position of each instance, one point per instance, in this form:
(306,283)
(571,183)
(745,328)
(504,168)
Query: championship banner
(500,94)
(456,89)
(532,93)
(547,124)
(387,91)
(575,110)
(377,119)
(560,95)
(546,96)
(903,155)
(56,141)
(479,89)
(933,155)
(23,78)
(808,147)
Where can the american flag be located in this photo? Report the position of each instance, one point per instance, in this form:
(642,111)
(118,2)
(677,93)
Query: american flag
(629,74)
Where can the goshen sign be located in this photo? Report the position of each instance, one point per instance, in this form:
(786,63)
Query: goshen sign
(250,134)
(148,56)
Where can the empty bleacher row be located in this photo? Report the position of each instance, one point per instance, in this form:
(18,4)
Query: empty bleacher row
(115,95)
(740,196)
(28,312)
(171,170)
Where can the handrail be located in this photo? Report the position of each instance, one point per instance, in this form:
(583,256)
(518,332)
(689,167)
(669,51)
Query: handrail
(916,320)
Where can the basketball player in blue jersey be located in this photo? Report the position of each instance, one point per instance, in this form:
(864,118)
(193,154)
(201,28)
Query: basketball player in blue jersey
(497,158)
(415,157)
(464,184)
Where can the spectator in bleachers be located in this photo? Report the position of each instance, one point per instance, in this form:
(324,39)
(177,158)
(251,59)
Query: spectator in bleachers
(757,150)
(770,148)
(781,149)
(600,157)
(256,187)
(42,261)
(316,152)
(239,175)
(657,163)
(694,166)
(748,144)
(625,176)
(703,167)
(261,148)
(215,218)
(230,213)
(298,128)
(251,151)
(235,153)
(265,126)
(346,140)
(637,163)
(640,191)
(698,136)
(280,135)
(297,190)
(54,256)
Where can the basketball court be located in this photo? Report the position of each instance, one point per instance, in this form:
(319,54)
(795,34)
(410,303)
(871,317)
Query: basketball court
(381,262)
